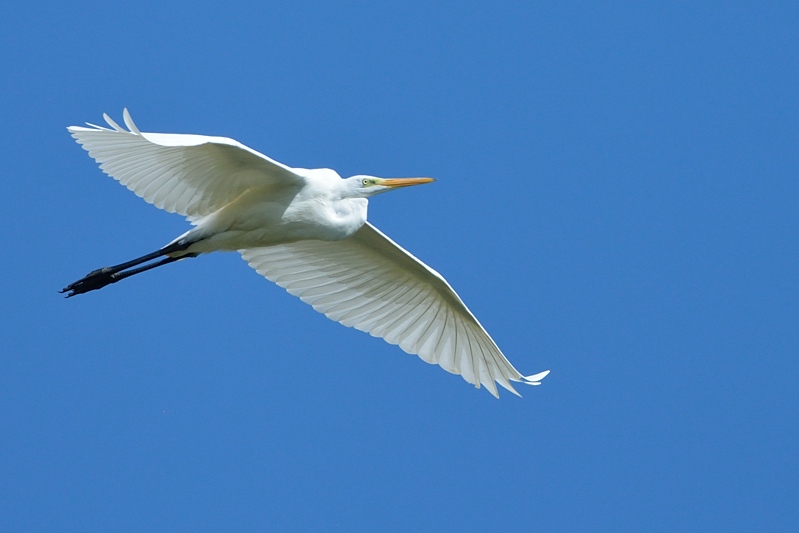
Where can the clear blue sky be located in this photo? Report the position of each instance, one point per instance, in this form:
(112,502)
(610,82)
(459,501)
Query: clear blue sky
(617,201)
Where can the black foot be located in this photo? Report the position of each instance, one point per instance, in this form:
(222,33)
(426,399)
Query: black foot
(94,280)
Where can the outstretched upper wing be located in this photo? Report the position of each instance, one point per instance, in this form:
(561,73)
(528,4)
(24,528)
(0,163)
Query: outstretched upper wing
(192,175)
(371,283)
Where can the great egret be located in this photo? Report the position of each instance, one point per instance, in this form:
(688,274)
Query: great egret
(304,229)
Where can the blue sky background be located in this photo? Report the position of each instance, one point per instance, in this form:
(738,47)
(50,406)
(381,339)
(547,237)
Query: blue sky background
(617,201)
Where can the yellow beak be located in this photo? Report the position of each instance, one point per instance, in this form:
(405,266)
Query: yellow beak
(405,182)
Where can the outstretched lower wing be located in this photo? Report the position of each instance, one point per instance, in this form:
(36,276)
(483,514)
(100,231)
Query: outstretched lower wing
(372,284)
(192,175)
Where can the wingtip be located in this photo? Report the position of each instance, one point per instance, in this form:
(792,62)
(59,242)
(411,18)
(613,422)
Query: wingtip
(113,124)
(535,379)
(129,121)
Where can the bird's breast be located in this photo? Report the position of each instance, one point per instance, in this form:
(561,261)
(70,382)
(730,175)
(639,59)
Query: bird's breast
(326,219)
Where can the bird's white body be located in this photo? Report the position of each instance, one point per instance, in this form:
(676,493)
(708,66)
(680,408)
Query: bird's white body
(306,230)
(270,215)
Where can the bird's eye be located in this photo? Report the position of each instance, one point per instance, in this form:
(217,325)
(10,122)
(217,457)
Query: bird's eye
(365,182)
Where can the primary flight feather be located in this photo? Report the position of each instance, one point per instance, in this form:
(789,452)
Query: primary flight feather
(304,229)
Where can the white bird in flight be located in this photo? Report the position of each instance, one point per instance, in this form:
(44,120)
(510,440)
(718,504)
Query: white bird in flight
(304,229)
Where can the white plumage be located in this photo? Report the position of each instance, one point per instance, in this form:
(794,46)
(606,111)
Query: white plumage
(304,229)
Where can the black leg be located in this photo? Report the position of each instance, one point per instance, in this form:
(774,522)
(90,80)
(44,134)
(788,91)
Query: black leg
(128,273)
(176,247)
(101,277)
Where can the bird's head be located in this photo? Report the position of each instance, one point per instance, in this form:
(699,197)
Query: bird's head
(366,186)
